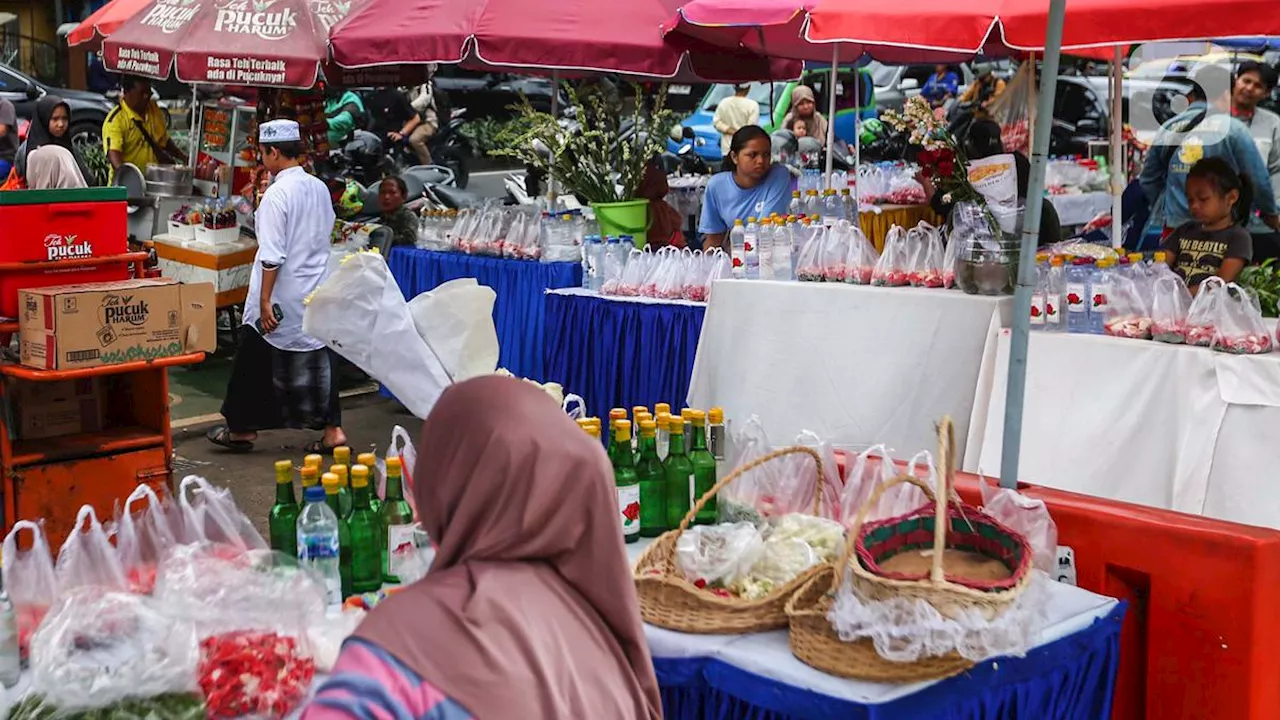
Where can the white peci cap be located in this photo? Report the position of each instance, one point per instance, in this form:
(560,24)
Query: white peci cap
(279,131)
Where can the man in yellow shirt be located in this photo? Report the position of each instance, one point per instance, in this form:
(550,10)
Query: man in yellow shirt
(135,131)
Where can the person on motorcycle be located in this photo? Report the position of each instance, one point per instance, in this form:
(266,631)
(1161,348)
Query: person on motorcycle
(734,113)
(344,112)
(424,102)
(941,86)
(804,105)
(985,88)
(394,120)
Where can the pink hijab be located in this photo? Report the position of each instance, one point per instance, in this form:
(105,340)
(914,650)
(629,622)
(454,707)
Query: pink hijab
(529,610)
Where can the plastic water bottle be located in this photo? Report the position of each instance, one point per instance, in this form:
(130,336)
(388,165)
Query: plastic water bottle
(1039,293)
(750,250)
(1099,294)
(782,250)
(797,205)
(737,252)
(832,208)
(812,205)
(1055,281)
(1077,296)
(850,212)
(764,252)
(590,258)
(318,543)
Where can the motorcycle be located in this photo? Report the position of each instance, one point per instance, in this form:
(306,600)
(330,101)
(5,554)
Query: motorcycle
(451,149)
(684,160)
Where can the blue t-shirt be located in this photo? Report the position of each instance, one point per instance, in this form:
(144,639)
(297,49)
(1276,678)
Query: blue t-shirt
(725,202)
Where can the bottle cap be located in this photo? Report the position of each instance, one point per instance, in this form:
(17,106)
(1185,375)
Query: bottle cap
(687,414)
(283,468)
(359,476)
(369,460)
(1042,257)
(310,475)
(313,493)
(795,193)
(1161,257)
(1135,257)
(697,416)
(340,472)
(663,420)
(1056,261)
(313,460)
(648,428)
(617,414)
(738,221)
(331,483)
(661,408)
(716,416)
(639,410)
(393,463)
(751,218)
(674,427)
(622,430)
(342,455)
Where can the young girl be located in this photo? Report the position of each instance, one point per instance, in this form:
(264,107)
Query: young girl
(799,127)
(1215,242)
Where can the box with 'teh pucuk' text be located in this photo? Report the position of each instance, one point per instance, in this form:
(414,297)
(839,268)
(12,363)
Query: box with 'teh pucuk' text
(78,326)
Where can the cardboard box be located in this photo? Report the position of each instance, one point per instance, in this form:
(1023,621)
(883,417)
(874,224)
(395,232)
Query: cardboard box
(53,409)
(81,326)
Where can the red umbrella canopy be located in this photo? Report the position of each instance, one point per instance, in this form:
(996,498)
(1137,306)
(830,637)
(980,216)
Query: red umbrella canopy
(104,21)
(622,36)
(272,43)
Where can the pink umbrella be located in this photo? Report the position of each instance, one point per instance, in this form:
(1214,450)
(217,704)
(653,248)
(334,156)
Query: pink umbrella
(577,36)
(104,21)
(273,43)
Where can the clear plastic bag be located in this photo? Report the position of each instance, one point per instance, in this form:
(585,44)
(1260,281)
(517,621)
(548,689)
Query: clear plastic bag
(29,578)
(1202,316)
(612,269)
(1170,303)
(695,277)
(97,649)
(927,256)
(634,273)
(1028,517)
(1128,309)
(892,268)
(721,268)
(142,539)
(401,446)
(829,504)
(903,188)
(1014,109)
(1239,328)
(872,186)
(86,559)
(669,278)
(779,487)
(513,241)
(718,555)
(809,264)
(876,467)
(213,516)
(950,261)
(862,259)
(823,535)
(835,251)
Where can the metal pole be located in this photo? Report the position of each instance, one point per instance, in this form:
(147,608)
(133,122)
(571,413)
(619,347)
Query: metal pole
(857,143)
(196,119)
(831,113)
(555,114)
(1017,384)
(1118,175)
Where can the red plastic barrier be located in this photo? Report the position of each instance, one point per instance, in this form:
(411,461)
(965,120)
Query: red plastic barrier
(1201,634)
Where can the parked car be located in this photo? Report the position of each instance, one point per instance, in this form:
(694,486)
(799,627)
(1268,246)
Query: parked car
(88,109)
(896,83)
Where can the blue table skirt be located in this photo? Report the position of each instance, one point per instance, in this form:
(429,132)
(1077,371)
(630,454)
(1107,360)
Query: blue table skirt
(1070,679)
(621,354)
(519,284)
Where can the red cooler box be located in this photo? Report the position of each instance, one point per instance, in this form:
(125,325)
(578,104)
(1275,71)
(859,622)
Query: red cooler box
(54,225)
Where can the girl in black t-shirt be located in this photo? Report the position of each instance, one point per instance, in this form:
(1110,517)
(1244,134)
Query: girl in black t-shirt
(1215,242)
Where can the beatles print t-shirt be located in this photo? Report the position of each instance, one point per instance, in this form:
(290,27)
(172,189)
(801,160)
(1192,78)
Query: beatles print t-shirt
(1199,253)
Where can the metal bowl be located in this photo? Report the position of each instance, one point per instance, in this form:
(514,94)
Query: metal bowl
(169,189)
(170,174)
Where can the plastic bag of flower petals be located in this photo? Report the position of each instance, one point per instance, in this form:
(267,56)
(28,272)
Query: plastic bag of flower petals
(904,189)
(1239,328)
(809,264)
(721,268)
(892,267)
(835,252)
(1202,316)
(1128,310)
(634,273)
(611,274)
(668,280)
(513,239)
(862,258)
(656,264)
(1170,302)
(927,256)
(695,277)
(950,259)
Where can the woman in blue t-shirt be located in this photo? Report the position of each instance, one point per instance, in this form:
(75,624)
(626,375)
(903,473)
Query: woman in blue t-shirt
(749,185)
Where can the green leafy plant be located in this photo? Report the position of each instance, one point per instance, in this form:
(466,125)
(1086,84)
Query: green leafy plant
(599,163)
(485,134)
(1264,281)
(95,158)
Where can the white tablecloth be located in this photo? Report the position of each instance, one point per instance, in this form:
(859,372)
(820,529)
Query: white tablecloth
(1166,426)
(855,364)
(584,292)
(1080,208)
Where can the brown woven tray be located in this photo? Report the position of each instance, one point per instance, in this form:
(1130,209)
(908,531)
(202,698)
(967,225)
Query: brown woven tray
(670,601)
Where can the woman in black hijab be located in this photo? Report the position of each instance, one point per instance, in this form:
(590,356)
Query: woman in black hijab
(51,126)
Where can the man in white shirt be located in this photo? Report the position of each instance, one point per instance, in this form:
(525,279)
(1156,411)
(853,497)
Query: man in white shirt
(734,113)
(283,377)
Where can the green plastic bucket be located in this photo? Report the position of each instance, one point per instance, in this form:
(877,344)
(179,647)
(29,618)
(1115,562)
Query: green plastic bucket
(624,218)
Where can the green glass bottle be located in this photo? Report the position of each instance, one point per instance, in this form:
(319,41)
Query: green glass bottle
(366,535)
(704,467)
(342,456)
(653,483)
(344,491)
(397,524)
(680,477)
(331,486)
(370,461)
(615,415)
(283,520)
(626,481)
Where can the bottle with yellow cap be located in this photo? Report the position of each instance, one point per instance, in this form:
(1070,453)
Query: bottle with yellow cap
(660,408)
(366,535)
(686,416)
(663,421)
(282,521)
(1039,291)
(397,525)
(331,486)
(344,490)
(314,460)
(653,483)
(1054,287)
(681,483)
(626,482)
(704,467)
(342,456)
(615,415)
(370,461)
(717,440)
(310,476)
(319,541)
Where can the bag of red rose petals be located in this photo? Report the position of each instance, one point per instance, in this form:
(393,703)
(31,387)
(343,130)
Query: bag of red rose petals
(695,277)
(927,256)
(212,516)
(86,559)
(1128,310)
(809,263)
(634,273)
(1170,302)
(29,578)
(776,488)
(721,268)
(894,263)
(862,259)
(835,250)
(872,468)
(950,259)
(1239,328)
(611,273)
(668,275)
(1202,316)
(142,538)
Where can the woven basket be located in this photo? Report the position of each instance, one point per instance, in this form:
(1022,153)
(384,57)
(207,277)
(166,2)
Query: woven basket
(814,641)
(670,601)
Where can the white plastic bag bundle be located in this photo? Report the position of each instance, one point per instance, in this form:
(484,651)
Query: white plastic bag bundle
(1028,517)
(456,321)
(29,578)
(717,555)
(209,514)
(142,538)
(360,313)
(86,559)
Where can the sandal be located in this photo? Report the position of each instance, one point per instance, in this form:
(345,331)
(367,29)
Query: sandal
(317,447)
(221,436)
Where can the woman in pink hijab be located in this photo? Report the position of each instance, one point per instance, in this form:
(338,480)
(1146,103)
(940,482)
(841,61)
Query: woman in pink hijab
(529,609)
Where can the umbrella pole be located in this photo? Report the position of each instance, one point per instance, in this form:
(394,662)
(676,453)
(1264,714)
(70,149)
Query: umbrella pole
(857,143)
(1118,175)
(193,137)
(1017,382)
(555,114)
(831,110)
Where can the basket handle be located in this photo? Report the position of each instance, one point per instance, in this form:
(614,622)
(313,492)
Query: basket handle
(852,536)
(739,472)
